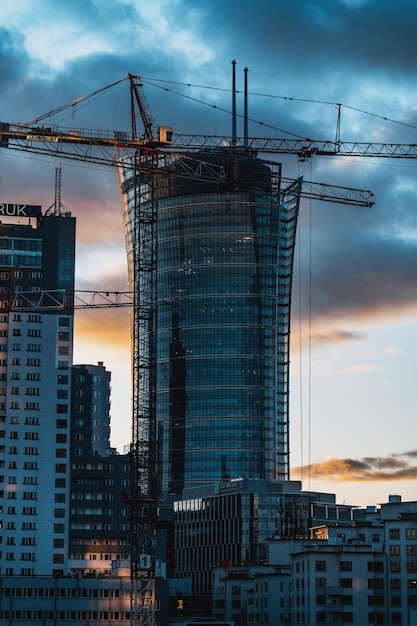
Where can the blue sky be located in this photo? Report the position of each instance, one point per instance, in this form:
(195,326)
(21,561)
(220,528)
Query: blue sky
(353,395)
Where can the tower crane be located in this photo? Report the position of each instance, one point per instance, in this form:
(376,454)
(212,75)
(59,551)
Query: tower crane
(148,155)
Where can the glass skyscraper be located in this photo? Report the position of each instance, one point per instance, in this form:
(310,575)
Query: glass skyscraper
(218,283)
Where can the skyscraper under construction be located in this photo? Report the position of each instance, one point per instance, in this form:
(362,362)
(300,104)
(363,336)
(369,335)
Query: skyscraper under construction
(211,265)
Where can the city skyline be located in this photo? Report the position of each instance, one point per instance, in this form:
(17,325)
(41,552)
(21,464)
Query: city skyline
(355,402)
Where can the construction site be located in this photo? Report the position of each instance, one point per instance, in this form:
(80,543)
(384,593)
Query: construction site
(210,229)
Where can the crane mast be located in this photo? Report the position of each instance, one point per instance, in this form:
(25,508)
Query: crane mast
(146,156)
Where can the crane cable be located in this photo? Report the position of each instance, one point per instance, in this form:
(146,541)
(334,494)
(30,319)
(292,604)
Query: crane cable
(152,81)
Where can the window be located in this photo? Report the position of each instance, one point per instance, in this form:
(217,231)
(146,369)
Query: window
(64,321)
(394,533)
(34,318)
(411,533)
(31,435)
(63,336)
(30,465)
(63,350)
(34,332)
(34,347)
(29,510)
(321,583)
(346,583)
(378,566)
(394,550)
(33,362)
(62,379)
(31,450)
(395,568)
(33,376)
(30,495)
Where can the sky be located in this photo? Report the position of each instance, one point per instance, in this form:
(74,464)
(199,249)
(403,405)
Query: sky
(354,323)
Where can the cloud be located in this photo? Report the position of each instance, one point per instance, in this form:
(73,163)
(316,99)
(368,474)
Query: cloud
(395,467)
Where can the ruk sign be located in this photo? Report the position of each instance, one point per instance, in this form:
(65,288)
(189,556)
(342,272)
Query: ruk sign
(20,210)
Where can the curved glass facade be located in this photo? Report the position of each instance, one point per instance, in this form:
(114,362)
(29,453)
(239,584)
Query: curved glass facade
(223,267)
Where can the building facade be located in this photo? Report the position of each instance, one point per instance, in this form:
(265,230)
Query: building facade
(90,421)
(234,521)
(357,572)
(100,478)
(65,601)
(214,261)
(36,254)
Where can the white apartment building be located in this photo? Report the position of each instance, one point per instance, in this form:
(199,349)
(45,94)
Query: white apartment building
(36,263)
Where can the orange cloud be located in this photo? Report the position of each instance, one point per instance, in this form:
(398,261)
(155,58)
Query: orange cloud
(389,468)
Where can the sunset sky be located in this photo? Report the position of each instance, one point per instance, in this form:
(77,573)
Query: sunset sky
(354,339)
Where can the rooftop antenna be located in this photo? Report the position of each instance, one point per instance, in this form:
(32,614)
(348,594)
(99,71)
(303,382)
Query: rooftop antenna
(57,208)
(245,110)
(233,103)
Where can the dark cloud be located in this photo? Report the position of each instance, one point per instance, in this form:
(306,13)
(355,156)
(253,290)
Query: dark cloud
(313,36)
(363,261)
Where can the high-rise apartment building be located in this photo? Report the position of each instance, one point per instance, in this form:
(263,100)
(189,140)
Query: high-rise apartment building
(90,411)
(36,255)
(214,263)
(99,524)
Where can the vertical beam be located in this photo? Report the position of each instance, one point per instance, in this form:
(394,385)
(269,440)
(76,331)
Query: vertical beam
(245,111)
(233,103)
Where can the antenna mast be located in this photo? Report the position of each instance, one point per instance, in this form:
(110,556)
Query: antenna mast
(57,208)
